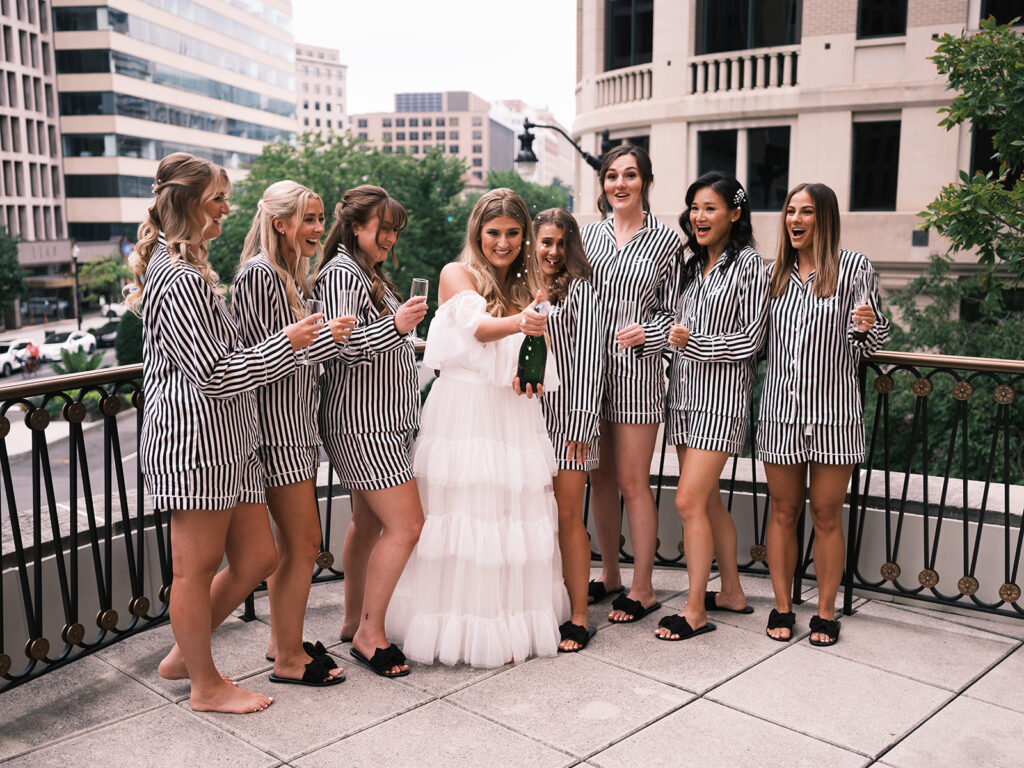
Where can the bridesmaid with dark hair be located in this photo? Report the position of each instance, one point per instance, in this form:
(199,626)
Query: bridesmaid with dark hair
(369,411)
(721,327)
(573,410)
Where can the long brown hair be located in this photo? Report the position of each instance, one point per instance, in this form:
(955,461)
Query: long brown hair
(575,265)
(521,282)
(643,165)
(184,184)
(360,205)
(282,200)
(824,244)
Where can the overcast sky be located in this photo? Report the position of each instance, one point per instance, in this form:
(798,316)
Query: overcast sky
(497,49)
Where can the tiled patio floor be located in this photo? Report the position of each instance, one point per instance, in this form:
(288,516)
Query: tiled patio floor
(907,687)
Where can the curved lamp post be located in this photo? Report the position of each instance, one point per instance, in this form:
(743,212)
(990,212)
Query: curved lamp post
(526,160)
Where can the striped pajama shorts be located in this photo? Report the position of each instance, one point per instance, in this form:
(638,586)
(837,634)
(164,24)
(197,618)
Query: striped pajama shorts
(782,443)
(371,461)
(288,464)
(222,486)
(706,431)
(634,400)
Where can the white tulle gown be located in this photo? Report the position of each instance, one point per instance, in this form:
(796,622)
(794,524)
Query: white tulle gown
(484,584)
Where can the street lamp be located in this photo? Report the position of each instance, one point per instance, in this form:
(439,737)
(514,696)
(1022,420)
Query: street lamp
(75,250)
(526,160)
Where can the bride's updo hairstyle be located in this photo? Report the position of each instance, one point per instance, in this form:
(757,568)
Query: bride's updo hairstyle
(360,205)
(521,283)
(184,184)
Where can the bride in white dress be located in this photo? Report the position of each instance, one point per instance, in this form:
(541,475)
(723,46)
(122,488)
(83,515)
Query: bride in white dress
(484,584)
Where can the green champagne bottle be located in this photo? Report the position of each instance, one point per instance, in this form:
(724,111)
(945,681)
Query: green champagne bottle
(533,355)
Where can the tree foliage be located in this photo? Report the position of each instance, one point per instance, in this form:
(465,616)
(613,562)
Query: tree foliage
(12,276)
(128,342)
(985,212)
(78,361)
(536,197)
(104,277)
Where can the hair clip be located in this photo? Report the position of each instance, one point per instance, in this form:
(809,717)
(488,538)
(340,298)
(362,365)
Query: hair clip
(156,186)
(738,198)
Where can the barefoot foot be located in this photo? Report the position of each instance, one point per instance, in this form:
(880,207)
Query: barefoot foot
(228,698)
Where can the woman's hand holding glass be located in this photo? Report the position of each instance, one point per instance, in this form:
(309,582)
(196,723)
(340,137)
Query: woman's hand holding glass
(678,336)
(304,332)
(410,314)
(862,318)
(341,328)
(679,332)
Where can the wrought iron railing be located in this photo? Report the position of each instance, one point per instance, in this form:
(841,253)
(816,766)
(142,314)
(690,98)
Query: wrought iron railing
(86,560)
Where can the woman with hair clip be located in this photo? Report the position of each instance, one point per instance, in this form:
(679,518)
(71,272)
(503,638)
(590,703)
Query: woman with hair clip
(721,328)
(823,319)
(269,293)
(635,259)
(573,411)
(199,436)
(369,411)
(484,585)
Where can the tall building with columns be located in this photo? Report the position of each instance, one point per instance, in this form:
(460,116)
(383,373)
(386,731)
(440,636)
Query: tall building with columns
(779,92)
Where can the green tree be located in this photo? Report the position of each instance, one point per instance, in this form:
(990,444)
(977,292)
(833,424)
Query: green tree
(128,342)
(536,197)
(985,212)
(12,276)
(78,361)
(104,277)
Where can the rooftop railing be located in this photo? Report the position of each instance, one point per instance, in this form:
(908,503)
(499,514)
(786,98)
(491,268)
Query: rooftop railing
(86,561)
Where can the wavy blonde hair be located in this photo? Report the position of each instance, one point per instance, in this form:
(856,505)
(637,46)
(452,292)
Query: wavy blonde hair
(184,184)
(360,205)
(575,265)
(824,243)
(522,281)
(283,200)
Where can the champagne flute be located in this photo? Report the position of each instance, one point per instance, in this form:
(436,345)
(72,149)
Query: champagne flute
(625,316)
(861,291)
(347,300)
(313,306)
(420,286)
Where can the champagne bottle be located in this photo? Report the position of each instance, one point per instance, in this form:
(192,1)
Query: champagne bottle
(533,355)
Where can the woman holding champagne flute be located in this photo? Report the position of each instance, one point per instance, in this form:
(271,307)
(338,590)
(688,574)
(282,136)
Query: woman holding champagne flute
(369,410)
(723,315)
(269,293)
(823,319)
(635,260)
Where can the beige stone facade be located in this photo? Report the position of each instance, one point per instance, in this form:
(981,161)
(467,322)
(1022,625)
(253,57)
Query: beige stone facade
(322,89)
(844,94)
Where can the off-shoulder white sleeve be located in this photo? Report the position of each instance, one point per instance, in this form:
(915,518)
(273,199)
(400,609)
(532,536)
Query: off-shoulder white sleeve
(451,332)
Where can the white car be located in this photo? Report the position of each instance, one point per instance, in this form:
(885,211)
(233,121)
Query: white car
(11,353)
(112,310)
(72,342)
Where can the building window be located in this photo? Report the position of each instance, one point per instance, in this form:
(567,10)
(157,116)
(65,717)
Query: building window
(478,162)
(362,122)
(386,136)
(415,149)
(414,135)
(305,87)
(316,106)
(400,122)
(716,151)
(440,122)
(386,122)
(629,28)
(305,104)
(328,123)
(478,148)
(1004,11)
(400,136)
(453,134)
(327,106)
(478,121)
(305,121)
(736,25)
(876,154)
(414,122)
(478,135)
(452,121)
(767,167)
(881,18)
(426,122)
(478,175)
(453,149)
(387,149)
(427,135)
(318,122)
(327,90)
(362,135)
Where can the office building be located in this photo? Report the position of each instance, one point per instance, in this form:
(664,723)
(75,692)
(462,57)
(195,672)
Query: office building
(555,155)
(780,92)
(322,87)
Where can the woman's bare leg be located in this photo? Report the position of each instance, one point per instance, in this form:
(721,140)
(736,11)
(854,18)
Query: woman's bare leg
(828,486)
(363,533)
(604,506)
(786,485)
(570,488)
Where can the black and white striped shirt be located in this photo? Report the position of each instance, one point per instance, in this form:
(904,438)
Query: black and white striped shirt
(286,408)
(198,378)
(715,371)
(373,385)
(644,271)
(813,352)
(574,327)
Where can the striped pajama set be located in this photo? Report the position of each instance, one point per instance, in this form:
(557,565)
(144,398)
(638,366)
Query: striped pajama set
(289,446)
(572,411)
(199,426)
(711,377)
(369,396)
(643,271)
(811,408)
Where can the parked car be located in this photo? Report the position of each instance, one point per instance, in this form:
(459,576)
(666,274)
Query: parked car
(106,334)
(11,352)
(72,342)
(112,310)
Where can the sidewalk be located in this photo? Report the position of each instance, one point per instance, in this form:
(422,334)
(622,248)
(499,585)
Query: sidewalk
(906,687)
(37,332)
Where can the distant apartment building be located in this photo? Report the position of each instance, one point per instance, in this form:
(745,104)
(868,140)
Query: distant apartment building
(139,79)
(781,92)
(31,180)
(555,155)
(459,122)
(320,98)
